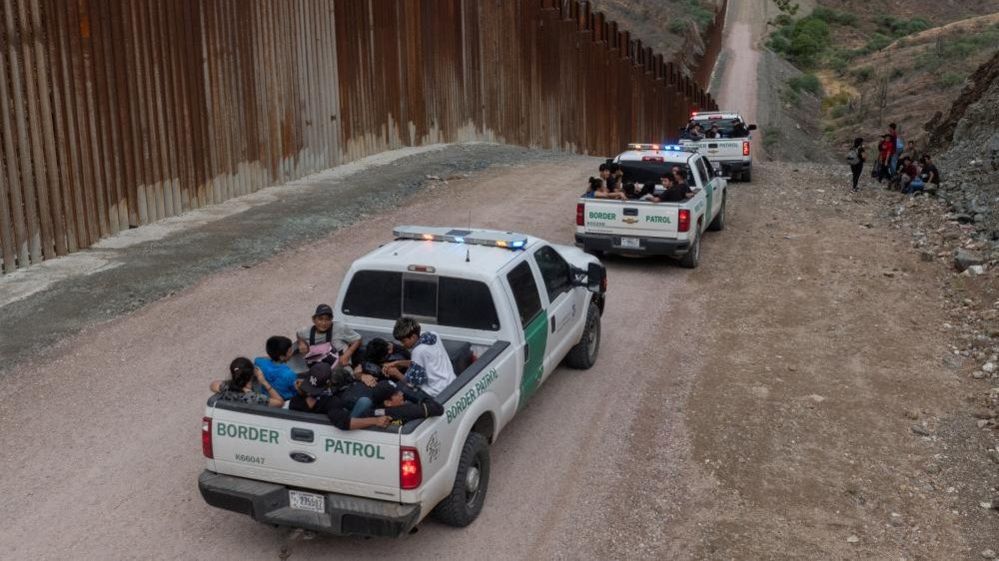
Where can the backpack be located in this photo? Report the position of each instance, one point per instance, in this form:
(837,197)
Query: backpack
(853,157)
(321,352)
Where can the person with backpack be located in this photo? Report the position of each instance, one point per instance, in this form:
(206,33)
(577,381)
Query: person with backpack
(897,145)
(855,157)
(327,341)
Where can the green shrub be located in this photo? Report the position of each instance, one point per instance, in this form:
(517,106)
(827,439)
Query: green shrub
(896,73)
(863,73)
(898,27)
(806,82)
(834,17)
(839,111)
(876,43)
(950,79)
(802,41)
(678,26)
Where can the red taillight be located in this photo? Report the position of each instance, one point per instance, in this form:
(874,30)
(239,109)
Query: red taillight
(652,158)
(410,470)
(684,221)
(580,209)
(745,147)
(206,437)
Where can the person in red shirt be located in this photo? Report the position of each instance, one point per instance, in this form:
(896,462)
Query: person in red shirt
(884,157)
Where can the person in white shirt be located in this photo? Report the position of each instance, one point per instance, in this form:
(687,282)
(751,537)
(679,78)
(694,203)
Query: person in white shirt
(430,369)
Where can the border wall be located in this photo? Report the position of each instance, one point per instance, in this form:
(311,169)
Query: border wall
(118,113)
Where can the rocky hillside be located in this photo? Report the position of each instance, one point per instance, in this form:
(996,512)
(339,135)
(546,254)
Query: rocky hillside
(971,135)
(670,27)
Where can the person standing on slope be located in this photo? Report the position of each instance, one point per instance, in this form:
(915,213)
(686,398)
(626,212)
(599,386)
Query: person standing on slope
(855,157)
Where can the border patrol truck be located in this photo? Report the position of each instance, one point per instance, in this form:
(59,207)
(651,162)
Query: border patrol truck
(510,309)
(733,155)
(637,227)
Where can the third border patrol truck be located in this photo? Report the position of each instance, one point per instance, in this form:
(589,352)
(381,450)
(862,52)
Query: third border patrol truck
(510,309)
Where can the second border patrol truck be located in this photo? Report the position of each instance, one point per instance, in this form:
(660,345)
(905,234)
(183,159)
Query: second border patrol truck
(510,309)
(638,227)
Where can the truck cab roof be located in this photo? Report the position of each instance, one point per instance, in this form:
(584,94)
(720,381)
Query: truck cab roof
(465,253)
(655,153)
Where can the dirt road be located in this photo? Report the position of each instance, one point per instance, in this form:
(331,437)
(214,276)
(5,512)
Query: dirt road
(761,406)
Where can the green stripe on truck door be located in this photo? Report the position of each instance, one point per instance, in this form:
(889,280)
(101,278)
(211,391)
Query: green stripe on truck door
(535,340)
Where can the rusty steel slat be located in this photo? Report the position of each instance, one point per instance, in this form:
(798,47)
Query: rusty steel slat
(61,172)
(150,153)
(121,101)
(18,234)
(34,66)
(166,108)
(157,131)
(176,111)
(139,84)
(258,103)
(137,155)
(233,119)
(196,123)
(27,180)
(117,149)
(210,85)
(102,114)
(93,170)
(223,127)
(330,52)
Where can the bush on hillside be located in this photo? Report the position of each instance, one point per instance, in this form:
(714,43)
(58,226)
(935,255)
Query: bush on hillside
(834,17)
(802,41)
(898,27)
(806,82)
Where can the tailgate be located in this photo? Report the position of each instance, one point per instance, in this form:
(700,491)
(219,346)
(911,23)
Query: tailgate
(656,220)
(721,150)
(363,463)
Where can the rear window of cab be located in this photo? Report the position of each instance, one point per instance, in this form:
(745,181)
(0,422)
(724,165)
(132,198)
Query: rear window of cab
(441,300)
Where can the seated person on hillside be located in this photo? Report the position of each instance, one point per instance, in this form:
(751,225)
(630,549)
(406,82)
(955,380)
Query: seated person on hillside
(315,396)
(239,386)
(907,172)
(929,173)
(430,369)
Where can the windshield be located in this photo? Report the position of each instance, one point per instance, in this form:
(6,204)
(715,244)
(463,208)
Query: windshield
(724,125)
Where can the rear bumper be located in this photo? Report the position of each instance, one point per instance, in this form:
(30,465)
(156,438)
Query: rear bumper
(609,243)
(736,166)
(345,514)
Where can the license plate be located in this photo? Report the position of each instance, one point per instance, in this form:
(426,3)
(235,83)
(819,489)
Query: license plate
(631,243)
(307,501)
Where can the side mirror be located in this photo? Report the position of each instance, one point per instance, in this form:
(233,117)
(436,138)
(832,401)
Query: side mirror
(752,127)
(719,173)
(596,277)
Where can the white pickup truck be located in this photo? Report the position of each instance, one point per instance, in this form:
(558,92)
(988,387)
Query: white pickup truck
(733,152)
(509,309)
(636,227)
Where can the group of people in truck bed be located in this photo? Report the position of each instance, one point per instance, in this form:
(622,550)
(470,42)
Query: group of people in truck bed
(381,384)
(672,187)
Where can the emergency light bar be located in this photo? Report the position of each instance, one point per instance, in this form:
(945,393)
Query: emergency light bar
(663,147)
(507,240)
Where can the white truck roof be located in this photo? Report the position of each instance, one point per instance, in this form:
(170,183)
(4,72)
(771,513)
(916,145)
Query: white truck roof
(712,115)
(672,154)
(461,252)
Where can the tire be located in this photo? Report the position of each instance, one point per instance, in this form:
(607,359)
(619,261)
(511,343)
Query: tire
(693,257)
(718,224)
(461,507)
(584,355)
(747,175)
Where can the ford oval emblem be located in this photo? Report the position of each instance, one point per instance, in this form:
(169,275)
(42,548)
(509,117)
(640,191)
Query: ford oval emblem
(303,457)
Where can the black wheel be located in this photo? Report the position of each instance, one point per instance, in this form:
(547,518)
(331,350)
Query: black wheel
(747,175)
(462,506)
(693,257)
(718,224)
(584,354)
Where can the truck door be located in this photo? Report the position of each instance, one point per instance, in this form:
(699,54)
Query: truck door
(711,185)
(562,304)
(534,322)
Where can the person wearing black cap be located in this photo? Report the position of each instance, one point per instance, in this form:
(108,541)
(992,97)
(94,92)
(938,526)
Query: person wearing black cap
(314,396)
(326,340)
